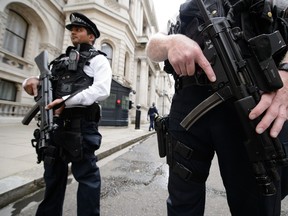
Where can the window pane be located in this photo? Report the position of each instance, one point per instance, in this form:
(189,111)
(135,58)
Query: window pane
(13,43)
(125,102)
(106,48)
(7,90)
(15,35)
(110,102)
(17,24)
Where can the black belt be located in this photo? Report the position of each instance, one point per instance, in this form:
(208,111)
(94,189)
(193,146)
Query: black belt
(75,112)
(90,113)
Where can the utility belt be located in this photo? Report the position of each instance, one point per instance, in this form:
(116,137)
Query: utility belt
(168,146)
(90,113)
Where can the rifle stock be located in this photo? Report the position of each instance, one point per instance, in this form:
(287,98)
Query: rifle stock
(242,79)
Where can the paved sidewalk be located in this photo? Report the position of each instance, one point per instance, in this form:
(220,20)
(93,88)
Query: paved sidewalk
(19,172)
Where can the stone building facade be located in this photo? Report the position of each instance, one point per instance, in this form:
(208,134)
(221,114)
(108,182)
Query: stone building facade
(28,27)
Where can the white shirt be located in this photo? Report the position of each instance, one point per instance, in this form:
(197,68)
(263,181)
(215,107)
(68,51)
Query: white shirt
(99,68)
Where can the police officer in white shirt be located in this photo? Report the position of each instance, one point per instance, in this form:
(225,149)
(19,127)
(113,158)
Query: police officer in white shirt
(78,84)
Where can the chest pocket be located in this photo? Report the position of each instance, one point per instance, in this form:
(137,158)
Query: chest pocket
(67,82)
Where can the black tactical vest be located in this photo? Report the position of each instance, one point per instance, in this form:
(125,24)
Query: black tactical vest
(67,81)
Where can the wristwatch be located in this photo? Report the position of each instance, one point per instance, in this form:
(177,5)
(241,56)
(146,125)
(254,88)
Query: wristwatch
(283,66)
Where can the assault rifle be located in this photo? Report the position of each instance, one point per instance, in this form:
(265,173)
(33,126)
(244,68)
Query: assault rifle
(243,79)
(44,97)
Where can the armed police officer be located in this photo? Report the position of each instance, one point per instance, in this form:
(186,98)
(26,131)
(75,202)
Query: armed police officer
(189,152)
(81,77)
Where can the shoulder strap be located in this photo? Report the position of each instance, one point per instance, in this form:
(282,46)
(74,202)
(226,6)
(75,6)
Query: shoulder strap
(56,59)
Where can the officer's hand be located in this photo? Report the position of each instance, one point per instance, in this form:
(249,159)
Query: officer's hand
(184,54)
(55,103)
(275,105)
(31,86)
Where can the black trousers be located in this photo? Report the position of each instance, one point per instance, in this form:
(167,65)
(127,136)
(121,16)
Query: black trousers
(217,131)
(86,173)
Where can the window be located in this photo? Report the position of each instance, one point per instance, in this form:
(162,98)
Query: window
(16,33)
(125,102)
(110,102)
(8,90)
(106,48)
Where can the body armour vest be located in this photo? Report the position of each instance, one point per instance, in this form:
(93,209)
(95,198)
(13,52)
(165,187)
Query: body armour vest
(68,70)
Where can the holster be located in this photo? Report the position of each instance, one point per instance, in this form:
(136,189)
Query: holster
(168,146)
(161,127)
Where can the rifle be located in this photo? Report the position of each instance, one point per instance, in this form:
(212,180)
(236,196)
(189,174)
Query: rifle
(243,79)
(43,98)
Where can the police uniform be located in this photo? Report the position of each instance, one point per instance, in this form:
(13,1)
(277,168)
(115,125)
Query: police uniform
(81,82)
(152,112)
(190,153)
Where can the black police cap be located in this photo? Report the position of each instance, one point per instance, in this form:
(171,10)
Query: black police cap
(78,19)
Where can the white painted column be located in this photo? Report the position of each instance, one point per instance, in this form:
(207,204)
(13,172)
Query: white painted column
(152,90)
(143,90)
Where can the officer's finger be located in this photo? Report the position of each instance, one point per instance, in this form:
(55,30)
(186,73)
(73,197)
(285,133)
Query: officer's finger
(205,65)
(279,121)
(261,107)
(177,69)
(180,69)
(265,122)
(183,69)
(59,111)
(53,103)
(190,67)
(35,90)
(50,105)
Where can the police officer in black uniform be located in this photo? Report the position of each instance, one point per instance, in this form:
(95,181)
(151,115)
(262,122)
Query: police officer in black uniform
(81,77)
(152,112)
(191,152)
